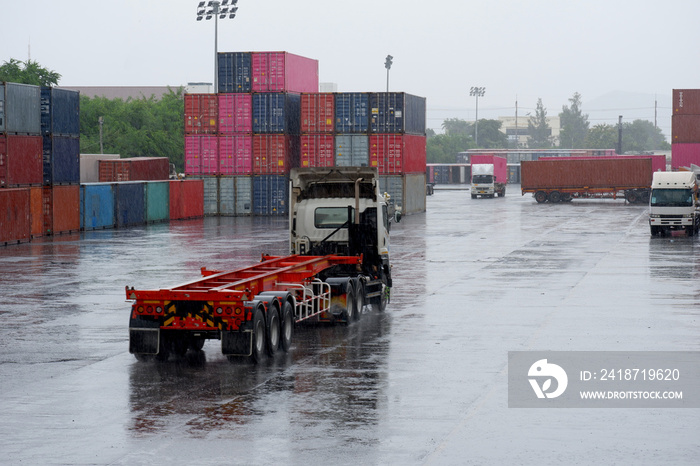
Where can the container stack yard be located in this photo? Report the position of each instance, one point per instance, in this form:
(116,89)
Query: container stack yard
(270,117)
(685,128)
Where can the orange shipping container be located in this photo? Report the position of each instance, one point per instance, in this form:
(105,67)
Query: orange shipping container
(36,202)
(61,205)
(186,199)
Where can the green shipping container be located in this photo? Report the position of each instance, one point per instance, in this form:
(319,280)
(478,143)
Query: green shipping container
(157,201)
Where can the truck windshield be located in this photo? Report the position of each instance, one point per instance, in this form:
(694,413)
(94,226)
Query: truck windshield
(331,217)
(482,179)
(672,197)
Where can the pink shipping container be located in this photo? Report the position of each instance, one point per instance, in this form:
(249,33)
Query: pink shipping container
(201,113)
(21,161)
(500,165)
(686,101)
(15,216)
(317,113)
(395,154)
(209,154)
(235,113)
(134,169)
(283,72)
(236,154)
(658,162)
(274,154)
(684,155)
(317,150)
(685,128)
(193,158)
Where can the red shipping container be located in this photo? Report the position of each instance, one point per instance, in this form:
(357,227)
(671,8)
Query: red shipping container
(186,199)
(36,207)
(236,154)
(15,216)
(134,169)
(686,101)
(685,155)
(317,113)
(61,205)
(685,128)
(317,150)
(395,154)
(235,113)
(274,154)
(201,113)
(283,72)
(658,162)
(21,161)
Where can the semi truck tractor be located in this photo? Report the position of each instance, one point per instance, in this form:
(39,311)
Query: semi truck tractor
(673,204)
(338,265)
(489,175)
(563,180)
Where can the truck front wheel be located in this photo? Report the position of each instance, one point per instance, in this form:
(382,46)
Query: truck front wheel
(350,307)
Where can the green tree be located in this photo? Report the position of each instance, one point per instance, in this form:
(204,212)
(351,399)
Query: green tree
(491,136)
(29,72)
(456,126)
(602,136)
(135,127)
(641,136)
(538,128)
(574,124)
(444,148)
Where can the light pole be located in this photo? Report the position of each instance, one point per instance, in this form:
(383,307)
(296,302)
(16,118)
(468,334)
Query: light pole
(477,92)
(218,10)
(387,65)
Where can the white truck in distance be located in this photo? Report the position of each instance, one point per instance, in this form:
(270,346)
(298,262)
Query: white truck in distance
(489,175)
(673,204)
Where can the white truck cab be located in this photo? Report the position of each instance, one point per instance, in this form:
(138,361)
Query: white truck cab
(673,204)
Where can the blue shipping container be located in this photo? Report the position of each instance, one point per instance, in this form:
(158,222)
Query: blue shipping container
(270,195)
(234,72)
(278,112)
(61,160)
(129,204)
(97,205)
(397,112)
(352,112)
(60,112)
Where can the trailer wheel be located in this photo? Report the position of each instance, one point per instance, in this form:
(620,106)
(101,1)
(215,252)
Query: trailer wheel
(631,197)
(359,300)
(258,336)
(350,305)
(554,196)
(287,326)
(540,197)
(196,344)
(380,304)
(273,330)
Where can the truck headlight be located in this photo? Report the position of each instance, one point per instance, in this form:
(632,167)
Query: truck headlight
(654,216)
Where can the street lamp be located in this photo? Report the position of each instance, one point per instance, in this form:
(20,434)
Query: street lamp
(387,65)
(218,10)
(477,92)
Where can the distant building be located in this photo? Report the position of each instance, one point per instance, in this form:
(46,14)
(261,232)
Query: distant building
(122,92)
(518,129)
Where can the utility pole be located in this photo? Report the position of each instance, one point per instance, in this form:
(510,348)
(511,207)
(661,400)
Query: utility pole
(100,121)
(619,135)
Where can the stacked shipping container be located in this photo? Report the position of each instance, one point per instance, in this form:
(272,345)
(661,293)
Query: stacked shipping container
(685,128)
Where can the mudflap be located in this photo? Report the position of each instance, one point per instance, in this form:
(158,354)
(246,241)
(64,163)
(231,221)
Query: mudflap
(235,343)
(144,340)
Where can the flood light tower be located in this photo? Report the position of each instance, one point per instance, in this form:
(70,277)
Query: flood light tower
(387,65)
(218,10)
(477,92)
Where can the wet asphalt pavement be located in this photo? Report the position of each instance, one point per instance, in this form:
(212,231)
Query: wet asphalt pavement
(423,383)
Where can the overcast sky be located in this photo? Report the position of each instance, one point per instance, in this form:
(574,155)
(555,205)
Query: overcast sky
(524,49)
